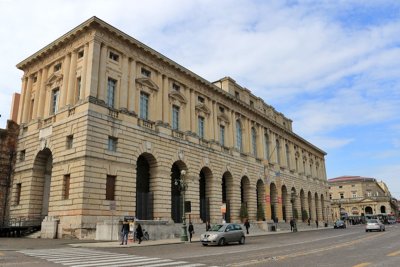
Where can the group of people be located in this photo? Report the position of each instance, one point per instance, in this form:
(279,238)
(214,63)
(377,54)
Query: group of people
(125,232)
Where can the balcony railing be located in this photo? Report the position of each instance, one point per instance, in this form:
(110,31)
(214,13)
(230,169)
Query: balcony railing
(146,124)
(177,134)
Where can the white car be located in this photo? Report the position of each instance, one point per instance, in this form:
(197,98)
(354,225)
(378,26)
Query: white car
(374,225)
(222,234)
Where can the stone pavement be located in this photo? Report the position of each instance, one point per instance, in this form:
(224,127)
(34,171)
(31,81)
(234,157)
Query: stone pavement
(196,238)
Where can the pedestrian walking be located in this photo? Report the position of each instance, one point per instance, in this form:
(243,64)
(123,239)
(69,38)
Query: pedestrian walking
(208,226)
(292,224)
(309,221)
(316,223)
(139,233)
(191,231)
(247,225)
(125,232)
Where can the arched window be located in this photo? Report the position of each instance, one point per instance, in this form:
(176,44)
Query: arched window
(266,146)
(278,152)
(254,142)
(239,136)
(287,156)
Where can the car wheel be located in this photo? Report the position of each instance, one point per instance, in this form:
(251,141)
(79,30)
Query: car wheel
(366,230)
(221,242)
(205,244)
(242,240)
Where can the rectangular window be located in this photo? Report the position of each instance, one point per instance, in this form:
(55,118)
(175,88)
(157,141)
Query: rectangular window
(176,87)
(354,194)
(18,194)
(112,143)
(200,99)
(31,109)
(369,193)
(70,141)
(80,54)
(111,87)
(110,187)
(66,183)
(78,88)
(201,127)
(22,154)
(144,106)
(237,95)
(57,67)
(34,79)
(221,109)
(251,104)
(341,195)
(222,135)
(55,95)
(146,73)
(113,56)
(175,117)
(340,186)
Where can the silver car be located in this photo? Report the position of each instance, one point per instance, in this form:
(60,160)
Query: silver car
(374,225)
(222,234)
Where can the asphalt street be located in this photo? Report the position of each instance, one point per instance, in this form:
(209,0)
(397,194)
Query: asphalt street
(326,247)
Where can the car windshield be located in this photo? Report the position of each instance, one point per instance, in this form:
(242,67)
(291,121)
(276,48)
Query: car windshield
(373,221)
(217,228)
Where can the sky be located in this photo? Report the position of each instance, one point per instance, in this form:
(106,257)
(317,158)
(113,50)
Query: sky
(333,67)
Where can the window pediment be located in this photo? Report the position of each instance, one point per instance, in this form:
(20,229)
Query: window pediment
(223,117)
(54,80)
(178,96)
(202,108)
(146,82)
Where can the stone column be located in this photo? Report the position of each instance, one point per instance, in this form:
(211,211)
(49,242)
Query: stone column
(279,205)
(313,214)
(214,114)
(161,185)
(298,206)
(268,213)
(92,71)
(27,100)
(306,207)
(101,93)
(132,87)
(259,146)
(64,89)
(84,71)
(192,102)
(233,129)
(72,79)
(22,99)
(166,106)
(123,95)
(37,95)
(159,99)
(288,207)
(252,203)
(42,93)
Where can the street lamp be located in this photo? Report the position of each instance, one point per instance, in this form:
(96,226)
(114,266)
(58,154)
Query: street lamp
(182,188)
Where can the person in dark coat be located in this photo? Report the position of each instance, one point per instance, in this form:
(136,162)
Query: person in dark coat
(208,226)
(247,225)
(139,233)
(125,232)
(191,231)
(292,224)
(316,223)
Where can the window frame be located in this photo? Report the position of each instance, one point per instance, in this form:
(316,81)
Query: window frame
(110,187)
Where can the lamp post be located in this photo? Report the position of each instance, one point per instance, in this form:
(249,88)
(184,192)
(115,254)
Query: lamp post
(182,187)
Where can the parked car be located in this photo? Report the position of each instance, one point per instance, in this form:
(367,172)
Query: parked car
(222,234)
(339,224)
(374,225)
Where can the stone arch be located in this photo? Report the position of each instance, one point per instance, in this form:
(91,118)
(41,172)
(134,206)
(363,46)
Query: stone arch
(317,209)
(227,193)
(260,194)
(285,204)
(41,182)
(310,206)
(176,190)
(303,209)
(383,209)
(205,193)
(368,210)
(274,201)
(146,169)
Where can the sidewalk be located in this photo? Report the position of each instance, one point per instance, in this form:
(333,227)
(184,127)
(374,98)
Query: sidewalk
(196,238)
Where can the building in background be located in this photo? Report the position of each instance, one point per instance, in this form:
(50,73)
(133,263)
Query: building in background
(8,143)
(356,197)
(111,128)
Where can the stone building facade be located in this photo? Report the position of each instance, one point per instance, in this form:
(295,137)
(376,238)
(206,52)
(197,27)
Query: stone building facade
(8,144)
(356,196)
(108,125)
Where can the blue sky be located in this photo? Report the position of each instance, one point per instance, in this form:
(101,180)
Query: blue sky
(333,67)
